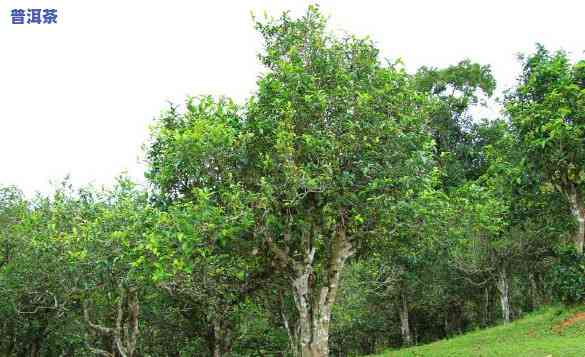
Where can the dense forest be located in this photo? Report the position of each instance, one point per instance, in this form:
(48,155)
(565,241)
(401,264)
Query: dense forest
(346,207)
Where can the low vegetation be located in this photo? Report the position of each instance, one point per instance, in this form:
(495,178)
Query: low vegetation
(550,332)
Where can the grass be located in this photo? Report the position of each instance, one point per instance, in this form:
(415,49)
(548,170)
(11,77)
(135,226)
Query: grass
(551,332)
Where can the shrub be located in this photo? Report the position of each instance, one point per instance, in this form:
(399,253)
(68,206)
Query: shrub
(567,276)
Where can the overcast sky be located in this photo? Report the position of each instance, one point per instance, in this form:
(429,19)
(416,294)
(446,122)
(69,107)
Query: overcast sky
(77,97)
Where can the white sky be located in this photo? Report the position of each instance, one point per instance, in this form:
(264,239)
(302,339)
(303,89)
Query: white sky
(77,97)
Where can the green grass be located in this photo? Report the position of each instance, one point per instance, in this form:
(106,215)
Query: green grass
(536,335)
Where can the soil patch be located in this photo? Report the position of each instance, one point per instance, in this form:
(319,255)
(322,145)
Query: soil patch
(558,328)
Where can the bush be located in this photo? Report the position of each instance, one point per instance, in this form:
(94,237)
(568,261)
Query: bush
(567,276)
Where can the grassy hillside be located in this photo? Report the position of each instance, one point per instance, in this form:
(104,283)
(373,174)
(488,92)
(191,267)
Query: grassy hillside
(552,332)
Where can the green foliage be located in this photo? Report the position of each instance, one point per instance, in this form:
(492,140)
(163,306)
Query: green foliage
(331,129)
(454,91)
(331,145)
(567,276)
(548,112)
(196,149)
(345,197)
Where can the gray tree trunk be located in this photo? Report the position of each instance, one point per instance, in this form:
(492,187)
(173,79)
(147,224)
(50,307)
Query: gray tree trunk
(504,289)
(216,339)
(534,294)
(486,306)
(314,305)
(404,324)
(578,212)
(125,333)
(293,335)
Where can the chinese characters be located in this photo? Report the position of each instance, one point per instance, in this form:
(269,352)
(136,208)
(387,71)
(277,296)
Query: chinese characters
(33,16)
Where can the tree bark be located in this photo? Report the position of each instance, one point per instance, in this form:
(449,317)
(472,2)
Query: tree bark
(534,298)
(216,339)
(125,333)
(446,325)
(314,305)
(504,289)
(34,350)
(219,340)
(578,212)
(404,324)
(292,332)
(486,306)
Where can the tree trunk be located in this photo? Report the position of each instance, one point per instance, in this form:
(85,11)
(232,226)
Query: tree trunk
(534,294)
(293,334)
(216,339)
(504,289)
(125,333)
(578,212)
(34,350)
(446,325)
(314,307)
(404,325)
(219,338)
(486,306)
(313,337)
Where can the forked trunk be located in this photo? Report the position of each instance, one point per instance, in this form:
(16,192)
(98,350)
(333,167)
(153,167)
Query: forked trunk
(314,305)
(504,289)
(313,334)
(125,333)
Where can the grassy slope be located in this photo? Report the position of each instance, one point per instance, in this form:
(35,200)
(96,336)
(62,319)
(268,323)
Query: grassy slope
(537,335)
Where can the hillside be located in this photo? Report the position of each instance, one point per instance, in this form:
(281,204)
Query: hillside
(550,332)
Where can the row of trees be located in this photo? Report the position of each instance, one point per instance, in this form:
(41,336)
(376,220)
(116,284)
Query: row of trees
(347,206)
